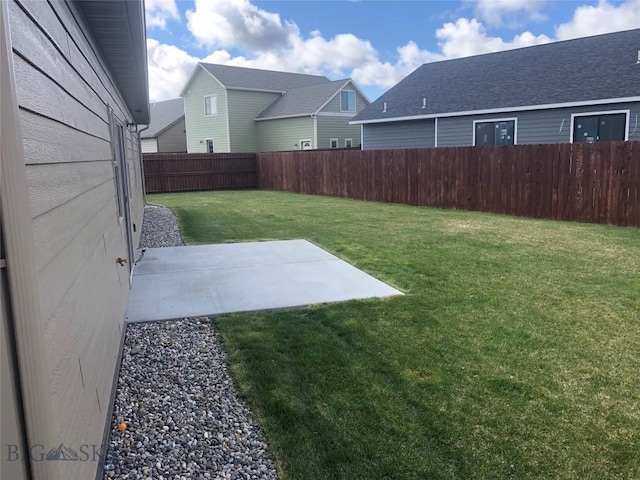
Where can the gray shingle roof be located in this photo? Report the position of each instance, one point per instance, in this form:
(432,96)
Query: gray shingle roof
(584,69)
(254,79)
(303,100)
(163,115)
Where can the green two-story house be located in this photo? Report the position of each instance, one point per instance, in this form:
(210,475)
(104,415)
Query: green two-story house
(235,109)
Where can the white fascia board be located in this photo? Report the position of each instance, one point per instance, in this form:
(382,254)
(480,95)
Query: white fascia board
(523,108)
(240,89)
(336,114)
(284,116)
(355,87)
(346,82)
(160,132)
(192,76)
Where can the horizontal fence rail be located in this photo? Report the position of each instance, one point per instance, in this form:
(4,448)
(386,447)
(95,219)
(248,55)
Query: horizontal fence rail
(182,172)
(597,183)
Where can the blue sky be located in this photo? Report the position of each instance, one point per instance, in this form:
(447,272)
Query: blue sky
(376,43)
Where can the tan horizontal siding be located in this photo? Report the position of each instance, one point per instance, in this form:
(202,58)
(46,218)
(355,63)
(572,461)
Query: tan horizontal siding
(52,185)
(64,91)
(49,141)
(173,139)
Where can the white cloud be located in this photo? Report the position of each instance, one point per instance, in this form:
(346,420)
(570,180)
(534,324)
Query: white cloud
(497,12)
(602,18)
(386,75)
(237,23)
(269,43)
(169,68)
(468,37)
(157,12)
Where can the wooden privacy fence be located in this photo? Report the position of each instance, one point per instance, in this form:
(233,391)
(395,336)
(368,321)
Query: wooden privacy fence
(182,172)
(597,183)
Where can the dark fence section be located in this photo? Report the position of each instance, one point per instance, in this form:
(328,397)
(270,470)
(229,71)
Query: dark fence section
(182,172)
(597,183)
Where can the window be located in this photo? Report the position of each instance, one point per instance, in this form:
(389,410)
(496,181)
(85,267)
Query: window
(347,101)
(495,132)
(208,143)
(333,143)
(348,143)
(118,161)
(118,149)
(210,106)
(603,127)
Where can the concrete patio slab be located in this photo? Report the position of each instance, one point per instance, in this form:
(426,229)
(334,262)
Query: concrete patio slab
(176,282)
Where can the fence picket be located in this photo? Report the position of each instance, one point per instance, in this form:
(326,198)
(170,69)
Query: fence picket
(597,183)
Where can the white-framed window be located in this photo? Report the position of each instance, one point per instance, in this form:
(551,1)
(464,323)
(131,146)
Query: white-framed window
(210,105)
(208,145)
(306,144)
(119,152)
(333,143)
(348,143)
(608,126)
(497,131)
(347,101)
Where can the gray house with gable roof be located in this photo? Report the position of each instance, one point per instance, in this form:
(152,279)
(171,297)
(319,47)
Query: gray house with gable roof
(236,109)
(166,132)
(581,90)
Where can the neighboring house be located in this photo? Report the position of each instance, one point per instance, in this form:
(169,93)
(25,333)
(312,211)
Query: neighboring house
(234,109)
(73,80)
(166,132)
(582,90)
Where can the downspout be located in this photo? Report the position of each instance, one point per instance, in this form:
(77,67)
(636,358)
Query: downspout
(21,268)
(435,132)
(144,186)
(315,130)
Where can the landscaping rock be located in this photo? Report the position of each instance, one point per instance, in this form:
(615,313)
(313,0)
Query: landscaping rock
(183,416)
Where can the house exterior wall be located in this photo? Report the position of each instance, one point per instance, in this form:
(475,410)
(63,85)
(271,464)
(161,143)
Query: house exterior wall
(244,106)
(336,127)
(77,233)
(285,134)
(149,145)
(535,126)
(173,139)
(334,105)
(408,134)
(9,402)
(200,127)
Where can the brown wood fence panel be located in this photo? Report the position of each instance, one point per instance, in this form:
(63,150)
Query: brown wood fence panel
(596,183)
(182,172)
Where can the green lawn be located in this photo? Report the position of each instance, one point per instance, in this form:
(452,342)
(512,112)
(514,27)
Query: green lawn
(514,354)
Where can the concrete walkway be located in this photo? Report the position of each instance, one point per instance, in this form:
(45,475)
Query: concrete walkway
(178,282)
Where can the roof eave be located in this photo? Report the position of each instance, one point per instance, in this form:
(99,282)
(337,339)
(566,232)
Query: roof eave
(164,129)
(127,65)
(245,89)
(523,108)
(297,115)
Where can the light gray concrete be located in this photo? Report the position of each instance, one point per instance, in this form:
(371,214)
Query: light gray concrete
(177,282)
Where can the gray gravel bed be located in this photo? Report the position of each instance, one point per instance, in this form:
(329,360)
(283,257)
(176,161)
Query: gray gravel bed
(184,417)
(159,228)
